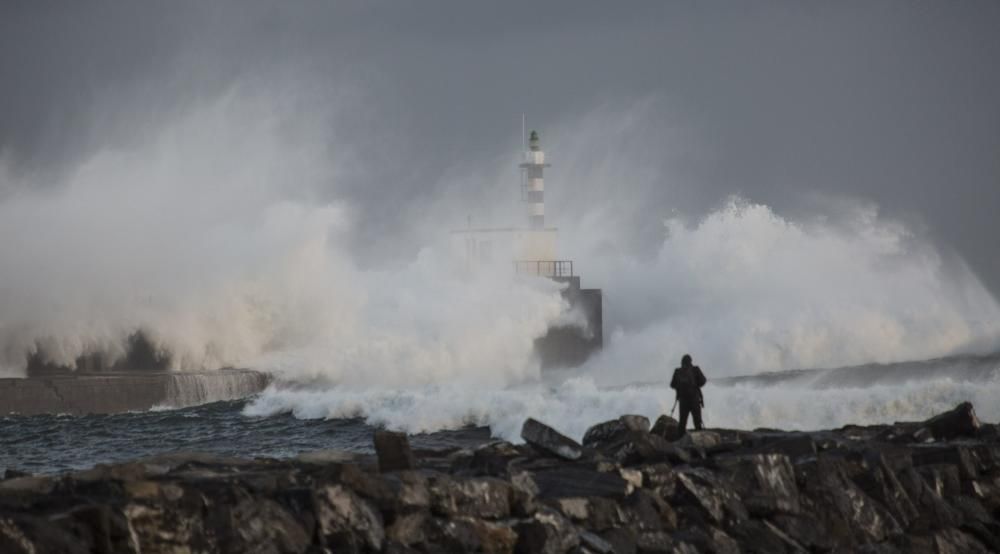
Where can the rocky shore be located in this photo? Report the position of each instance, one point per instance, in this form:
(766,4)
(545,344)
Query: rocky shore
(930,486)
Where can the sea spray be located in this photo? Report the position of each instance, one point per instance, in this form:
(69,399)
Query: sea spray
(575,404)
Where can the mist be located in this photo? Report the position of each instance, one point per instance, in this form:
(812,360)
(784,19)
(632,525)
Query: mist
(276,190)
(210,238)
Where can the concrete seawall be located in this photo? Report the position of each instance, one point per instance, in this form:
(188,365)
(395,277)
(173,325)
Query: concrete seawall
(105,393)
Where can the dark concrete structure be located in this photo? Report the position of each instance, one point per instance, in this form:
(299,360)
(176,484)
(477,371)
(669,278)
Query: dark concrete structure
(113,392)
(570,346)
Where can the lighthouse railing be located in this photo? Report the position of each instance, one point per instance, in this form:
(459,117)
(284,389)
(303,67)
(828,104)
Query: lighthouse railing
(544,268)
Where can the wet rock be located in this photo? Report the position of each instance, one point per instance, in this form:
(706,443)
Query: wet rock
(100,528)
(549,440)
(764,537)
(958,456)
(548,532)
(404,492)
(347,521)
(596,544)
(256,522)
(799,445)
(621,540)
(986,456)
(932,510)
(329,456)
(631,476)
(604,514)
(655,542)
(577,482)
(612,430)
(12,474)
(845,490)
(942,478)
(645,448)
(480,497)
(489,460)
(954,541)
(577,509)
(393,451)
(879,481)
(645,511)
(959,422)
(465,534)
(710,539)
(715,502)
(666,427)
(841,505)
(30,484)
(659,477)
(410,529)
(807,531)
(21,534)
(766,482)
(700,439)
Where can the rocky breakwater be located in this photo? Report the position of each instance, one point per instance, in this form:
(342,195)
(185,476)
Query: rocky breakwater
(908,487)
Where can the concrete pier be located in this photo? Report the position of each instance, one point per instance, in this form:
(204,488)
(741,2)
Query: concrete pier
(105,393)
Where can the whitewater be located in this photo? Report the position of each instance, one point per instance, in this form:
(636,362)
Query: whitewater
(223,237)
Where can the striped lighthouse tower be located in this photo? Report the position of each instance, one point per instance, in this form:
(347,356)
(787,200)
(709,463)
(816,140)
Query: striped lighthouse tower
(533,187)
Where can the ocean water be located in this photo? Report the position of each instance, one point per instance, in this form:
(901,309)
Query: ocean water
(57,443)
(287,419)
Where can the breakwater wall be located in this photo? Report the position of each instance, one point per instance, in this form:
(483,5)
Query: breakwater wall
(105,393)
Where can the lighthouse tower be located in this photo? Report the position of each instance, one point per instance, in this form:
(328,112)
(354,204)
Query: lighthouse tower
(533,186)
(533,252)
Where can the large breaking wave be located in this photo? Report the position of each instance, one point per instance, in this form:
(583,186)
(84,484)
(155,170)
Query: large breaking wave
(222,239)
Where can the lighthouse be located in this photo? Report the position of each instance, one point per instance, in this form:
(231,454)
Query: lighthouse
(532,249)
(533,183)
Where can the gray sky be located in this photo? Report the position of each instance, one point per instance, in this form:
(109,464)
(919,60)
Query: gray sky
(892,102)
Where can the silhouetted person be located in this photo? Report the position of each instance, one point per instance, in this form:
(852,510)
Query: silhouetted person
(687,381)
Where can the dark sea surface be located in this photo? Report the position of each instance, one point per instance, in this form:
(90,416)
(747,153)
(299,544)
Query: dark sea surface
(53,444)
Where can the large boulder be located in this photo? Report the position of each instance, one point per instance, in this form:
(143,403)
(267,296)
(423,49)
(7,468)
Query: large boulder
(480,497)
(841,506)
(393,451)
(410,529)
(401,492)
(704,440)
(572,482)
(933,512)
(645,511)
(764,536)
(262,521)
(959,422)
(637,447)
(467,534)
(666,427)
(880,482)
(347,521)
(712,499)
(614,429)
(547,439)
(795,446)
(765,482)
(959,456)
(547,532)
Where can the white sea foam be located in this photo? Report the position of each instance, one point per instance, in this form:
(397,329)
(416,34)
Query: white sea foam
(576,404)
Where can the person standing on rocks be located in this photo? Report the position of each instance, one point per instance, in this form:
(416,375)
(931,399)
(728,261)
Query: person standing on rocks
(687,381)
